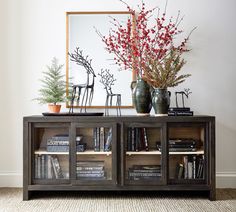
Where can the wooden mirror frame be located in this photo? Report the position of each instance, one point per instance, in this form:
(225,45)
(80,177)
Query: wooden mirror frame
(67,50)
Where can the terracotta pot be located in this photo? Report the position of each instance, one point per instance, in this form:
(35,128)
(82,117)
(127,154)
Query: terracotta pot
(54,108)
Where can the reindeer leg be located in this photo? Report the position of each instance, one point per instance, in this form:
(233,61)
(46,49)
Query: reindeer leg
(176,100)
(106,106)
(82,102)
(183,99)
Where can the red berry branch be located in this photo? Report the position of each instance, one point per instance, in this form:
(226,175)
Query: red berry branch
(138,42)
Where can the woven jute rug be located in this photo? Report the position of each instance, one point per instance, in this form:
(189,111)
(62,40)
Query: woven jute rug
(11,200)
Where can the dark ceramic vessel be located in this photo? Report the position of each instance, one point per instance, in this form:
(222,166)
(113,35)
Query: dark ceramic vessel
(142,97)
(161,101)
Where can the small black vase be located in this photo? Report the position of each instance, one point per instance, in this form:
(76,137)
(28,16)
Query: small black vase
(141,97)
(161,101)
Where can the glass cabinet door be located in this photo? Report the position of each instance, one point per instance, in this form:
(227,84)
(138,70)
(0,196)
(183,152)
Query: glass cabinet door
(143,161)
(51,147)
(95,155)
(187,153)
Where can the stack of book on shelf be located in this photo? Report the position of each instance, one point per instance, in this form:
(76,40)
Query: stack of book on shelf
(102,139)
(144,172)
(181,145)
(90,170)
(48,167)
(180,111)
(60,143)
(137,139)
(191,168)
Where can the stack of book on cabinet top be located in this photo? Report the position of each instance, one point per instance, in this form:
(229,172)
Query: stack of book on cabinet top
(181,145)
(144,172)
(60,143)
(180,111)
(90,170)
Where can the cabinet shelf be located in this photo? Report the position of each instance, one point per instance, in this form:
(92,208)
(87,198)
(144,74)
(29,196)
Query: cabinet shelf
(91,152)
(87,152)
(152,152)
(45,152)
(156,152)
(199,152)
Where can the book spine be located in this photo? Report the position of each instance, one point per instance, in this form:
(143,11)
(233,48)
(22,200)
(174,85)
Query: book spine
(185,159)
(182,146)
(134,174)
(133,139)
(49,167)
(90,168)
(58,168)
(98,140)
(43,166)
(145,171)
(137,139)
(194,167)
(36,166)
(190,170)
(182,142)
(52,142)
(102,139)
(181,169)
(90,175)
(54,167)
(180,113)
(182,149)
(57,148)
(128,139)
(108,140)
(145,139)
(179,109)
(95,139)
(59,138)
(90,171)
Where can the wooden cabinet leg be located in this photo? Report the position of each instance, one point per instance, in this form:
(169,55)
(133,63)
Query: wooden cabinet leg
(26,194)
(212,195)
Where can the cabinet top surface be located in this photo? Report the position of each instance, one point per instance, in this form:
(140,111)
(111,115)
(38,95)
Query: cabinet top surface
(128,118)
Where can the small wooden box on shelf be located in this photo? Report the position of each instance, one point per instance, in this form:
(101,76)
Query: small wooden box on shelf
(119,153)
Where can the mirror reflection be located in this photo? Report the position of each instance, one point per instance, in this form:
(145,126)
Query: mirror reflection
(88,63)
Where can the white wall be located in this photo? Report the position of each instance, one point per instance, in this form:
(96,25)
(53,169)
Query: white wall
(33,31)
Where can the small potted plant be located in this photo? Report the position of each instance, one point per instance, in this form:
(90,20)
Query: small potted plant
(53,89)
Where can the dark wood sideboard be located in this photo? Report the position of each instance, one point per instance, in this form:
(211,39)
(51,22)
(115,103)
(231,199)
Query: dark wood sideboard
(119,153)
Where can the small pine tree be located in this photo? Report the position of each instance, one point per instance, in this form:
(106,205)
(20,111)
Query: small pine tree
(53,86)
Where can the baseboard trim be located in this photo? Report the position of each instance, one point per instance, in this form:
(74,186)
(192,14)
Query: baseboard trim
(11,179)
(15,179)
(226,180)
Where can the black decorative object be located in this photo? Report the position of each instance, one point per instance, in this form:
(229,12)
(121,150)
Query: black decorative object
(186,93)
(141,97)
(181,111)
(88,86)
(72,114)
(161,101)
(107,79)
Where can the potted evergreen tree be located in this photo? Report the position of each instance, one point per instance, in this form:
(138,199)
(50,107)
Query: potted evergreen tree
(53,89)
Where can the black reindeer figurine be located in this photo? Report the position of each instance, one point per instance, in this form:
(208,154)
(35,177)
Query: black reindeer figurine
(107,79)
(186,93)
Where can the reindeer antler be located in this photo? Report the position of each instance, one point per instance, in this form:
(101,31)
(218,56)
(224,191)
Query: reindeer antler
(107,79)
(81,60)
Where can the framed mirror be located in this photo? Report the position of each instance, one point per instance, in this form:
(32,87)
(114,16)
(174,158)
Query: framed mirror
(83,41)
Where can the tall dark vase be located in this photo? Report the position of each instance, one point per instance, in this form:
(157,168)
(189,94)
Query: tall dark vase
(142,97)
(161,101)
